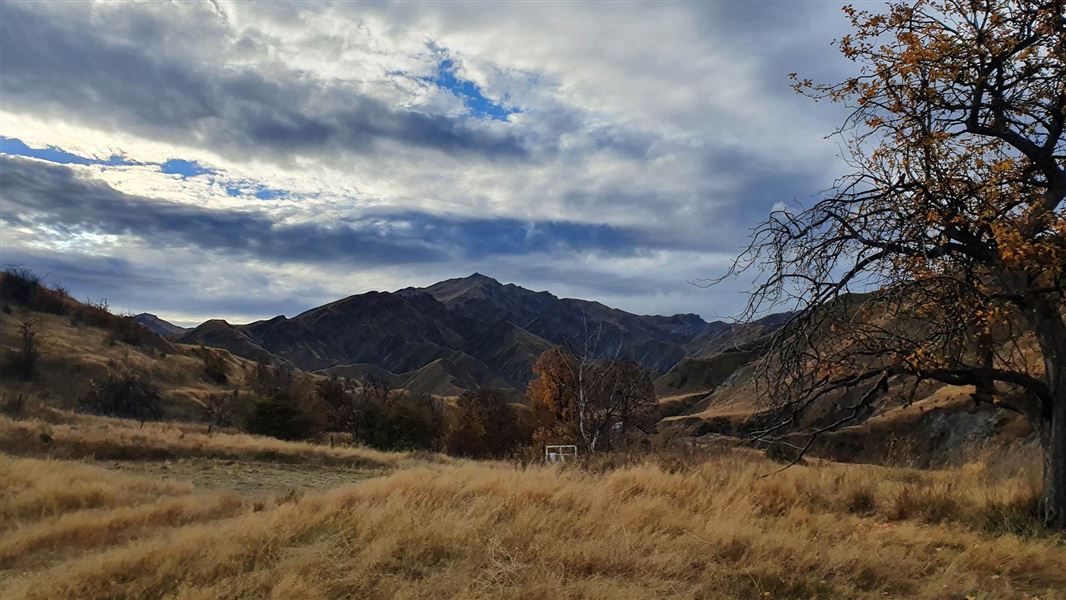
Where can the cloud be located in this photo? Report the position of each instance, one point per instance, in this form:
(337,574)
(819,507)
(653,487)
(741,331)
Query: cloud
(41,195)
(605,150)
(226,107)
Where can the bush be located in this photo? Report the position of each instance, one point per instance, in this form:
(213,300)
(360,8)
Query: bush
(22,286)
(930,503)
(128,396)
(94,314)
(412,423)
(128,331)
(122,328)
(399,422)
(215,367)
(22,363)
(1018,516)
(219,409)
(279,416)
(283,404)
(484,424)
(860,499)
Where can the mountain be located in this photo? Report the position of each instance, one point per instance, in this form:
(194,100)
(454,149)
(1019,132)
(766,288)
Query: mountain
(457,334)
(465,333)
(396,334)
(725,337)
(656,342)
(159,326)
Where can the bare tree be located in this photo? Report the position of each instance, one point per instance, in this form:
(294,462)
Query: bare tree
(952,221)
(24,360)
(218,409)
(374,387)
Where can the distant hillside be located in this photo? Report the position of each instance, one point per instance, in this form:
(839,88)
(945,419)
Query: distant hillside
(656,342)
(80,343)
(159,326)
(432,343)
(717,392)
(394,333)
(458,334)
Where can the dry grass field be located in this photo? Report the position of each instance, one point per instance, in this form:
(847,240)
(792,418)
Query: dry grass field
(683,525)
(62,434)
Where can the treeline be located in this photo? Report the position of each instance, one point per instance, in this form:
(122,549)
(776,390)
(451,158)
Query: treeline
(595,404)
(285,403)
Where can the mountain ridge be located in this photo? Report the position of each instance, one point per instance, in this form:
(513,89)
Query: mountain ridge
(159,326)
(472,331)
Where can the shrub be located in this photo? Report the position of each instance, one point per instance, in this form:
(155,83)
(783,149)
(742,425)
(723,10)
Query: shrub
(215,367)
(930,503)
(92,313)
(340,403)
(219,409)
(398,421)
(484,424)
(23,361)
(860,499)
(279,416)
(127,395)
(783,453)
(1019,516)
(22,286)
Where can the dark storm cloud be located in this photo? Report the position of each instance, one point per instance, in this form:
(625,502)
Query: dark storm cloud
(39,194)
(69,70)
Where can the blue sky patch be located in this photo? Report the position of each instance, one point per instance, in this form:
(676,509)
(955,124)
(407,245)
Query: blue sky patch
(259,191)
(468,91)
(16,147)
(184,168)
(264,193)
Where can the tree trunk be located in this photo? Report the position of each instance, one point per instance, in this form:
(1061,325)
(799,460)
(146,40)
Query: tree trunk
(1053,440)
(1050,332)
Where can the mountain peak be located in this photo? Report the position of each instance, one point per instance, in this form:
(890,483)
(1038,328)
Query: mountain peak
(158,326)
(479,278)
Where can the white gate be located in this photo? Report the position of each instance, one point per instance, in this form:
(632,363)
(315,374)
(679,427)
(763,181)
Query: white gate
(559,453)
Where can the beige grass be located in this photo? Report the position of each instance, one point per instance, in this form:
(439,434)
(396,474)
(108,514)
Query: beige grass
(716,529)
(31,489)
(83,436)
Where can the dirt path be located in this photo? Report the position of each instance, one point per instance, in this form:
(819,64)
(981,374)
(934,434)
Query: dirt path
(246,477)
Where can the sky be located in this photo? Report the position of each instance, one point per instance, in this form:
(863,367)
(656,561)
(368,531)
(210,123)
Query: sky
(243,160)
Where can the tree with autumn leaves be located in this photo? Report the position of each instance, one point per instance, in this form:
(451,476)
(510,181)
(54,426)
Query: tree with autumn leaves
(952,220)
(587,399)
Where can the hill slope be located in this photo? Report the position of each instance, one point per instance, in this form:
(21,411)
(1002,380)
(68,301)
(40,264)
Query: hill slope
(458,334)
(397,334)
(657,342)
(159,326)
(79,344)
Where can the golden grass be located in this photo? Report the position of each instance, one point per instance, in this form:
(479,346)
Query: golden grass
(83,436)
(666,528)
(52,510)
(39,489)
